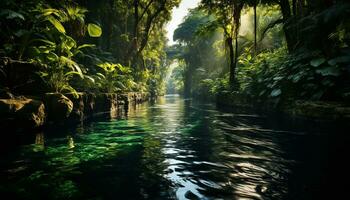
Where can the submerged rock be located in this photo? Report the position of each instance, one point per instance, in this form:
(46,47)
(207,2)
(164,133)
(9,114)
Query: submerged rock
(22,113)
(58,106)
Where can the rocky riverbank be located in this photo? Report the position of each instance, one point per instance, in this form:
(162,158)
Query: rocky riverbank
(27,113)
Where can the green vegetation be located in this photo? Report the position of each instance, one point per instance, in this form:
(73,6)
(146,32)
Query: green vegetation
(64,62)
(80,46)
(268,50)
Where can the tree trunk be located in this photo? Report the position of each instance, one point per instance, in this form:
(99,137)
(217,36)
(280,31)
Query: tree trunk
(232,60)
(235,55)
(255,31)
(294,7)
(288,32)
(136,20)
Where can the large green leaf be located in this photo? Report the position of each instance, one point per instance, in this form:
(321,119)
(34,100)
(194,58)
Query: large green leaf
(57,24)
(71,64)
(52,56)
(101,75)
(49,11)
(94,30)
(123,69)
(69,43)
(92,80)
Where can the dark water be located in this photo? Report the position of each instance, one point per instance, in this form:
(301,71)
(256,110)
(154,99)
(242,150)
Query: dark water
(173,149)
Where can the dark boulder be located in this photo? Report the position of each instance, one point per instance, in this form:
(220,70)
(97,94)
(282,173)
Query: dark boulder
(22,113)
(58,106)
(22,77)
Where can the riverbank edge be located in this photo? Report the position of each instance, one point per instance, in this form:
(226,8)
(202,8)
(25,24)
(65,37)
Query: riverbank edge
(314,110)
(25,113)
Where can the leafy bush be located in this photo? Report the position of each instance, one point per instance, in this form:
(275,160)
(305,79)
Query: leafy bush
(278,75)
(211,87)
(114,78)
(45,36)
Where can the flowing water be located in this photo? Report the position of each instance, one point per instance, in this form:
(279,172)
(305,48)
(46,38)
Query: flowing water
(172,149)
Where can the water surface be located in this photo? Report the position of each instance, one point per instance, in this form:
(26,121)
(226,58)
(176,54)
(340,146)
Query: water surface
(172,149)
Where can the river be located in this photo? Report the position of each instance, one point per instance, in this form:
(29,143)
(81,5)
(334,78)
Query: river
(171,149)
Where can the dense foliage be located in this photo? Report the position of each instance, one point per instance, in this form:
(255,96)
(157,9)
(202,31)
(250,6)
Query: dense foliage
(272,50)
(84,46)
(268,50)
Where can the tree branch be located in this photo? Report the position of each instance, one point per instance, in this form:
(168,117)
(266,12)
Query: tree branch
(270,26)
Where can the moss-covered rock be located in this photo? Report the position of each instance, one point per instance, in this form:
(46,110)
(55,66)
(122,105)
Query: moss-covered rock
(22,113)
(58,106)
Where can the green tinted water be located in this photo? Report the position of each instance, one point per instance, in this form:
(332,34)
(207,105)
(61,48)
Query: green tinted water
(173,149)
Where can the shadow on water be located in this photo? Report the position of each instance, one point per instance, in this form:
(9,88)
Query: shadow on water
(172,148)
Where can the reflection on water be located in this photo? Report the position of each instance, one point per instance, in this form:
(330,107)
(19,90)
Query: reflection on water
(170,149)
(70,142)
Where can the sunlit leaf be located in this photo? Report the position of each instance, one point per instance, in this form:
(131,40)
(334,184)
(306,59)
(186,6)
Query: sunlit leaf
(86,46)
(57,24)
(72,73)
(52,56)
(123,69)
(71,64)
(69,42)
(71,90)
(101,75)
(49,11)
(90,79)
(94,30)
